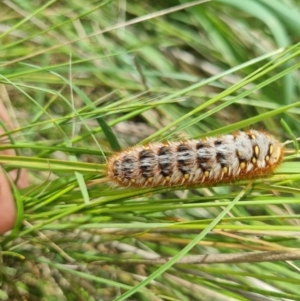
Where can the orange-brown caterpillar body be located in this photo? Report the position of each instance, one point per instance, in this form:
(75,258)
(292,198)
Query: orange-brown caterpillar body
(243,155)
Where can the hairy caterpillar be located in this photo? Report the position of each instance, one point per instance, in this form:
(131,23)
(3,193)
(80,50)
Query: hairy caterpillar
(227,158)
